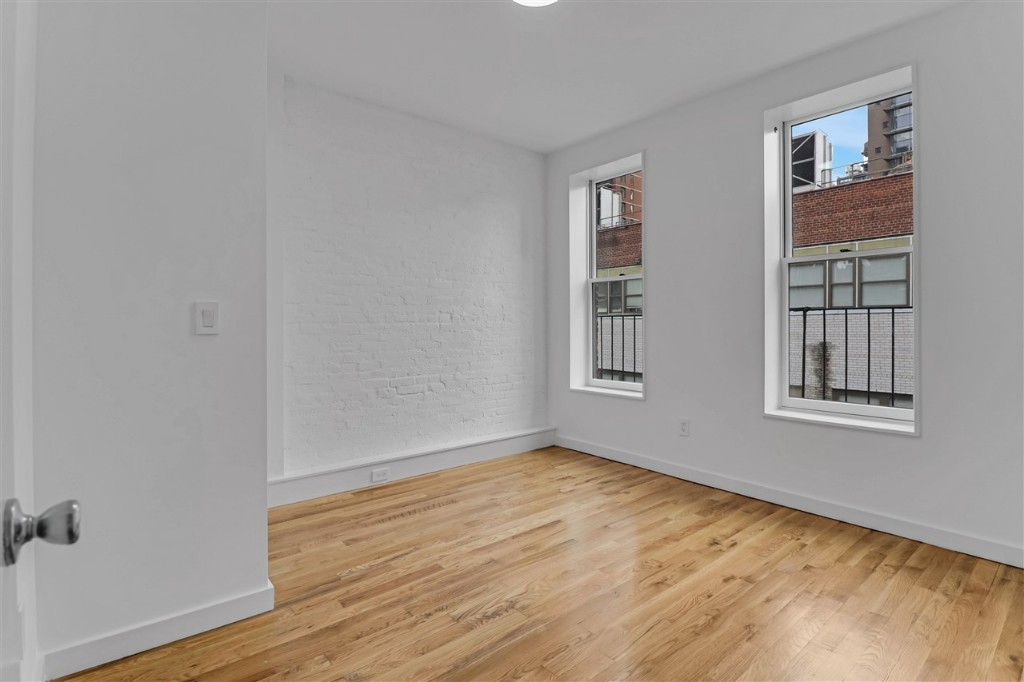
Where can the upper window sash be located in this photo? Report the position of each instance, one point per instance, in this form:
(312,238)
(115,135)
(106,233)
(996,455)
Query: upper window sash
(592,220)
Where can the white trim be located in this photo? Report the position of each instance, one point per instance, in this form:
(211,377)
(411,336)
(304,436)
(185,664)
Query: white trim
(22,71)
(275,273)
(986,548)
(850,421)
(355,474)
(777,195)
(149,634)
(823,410)
(597,389)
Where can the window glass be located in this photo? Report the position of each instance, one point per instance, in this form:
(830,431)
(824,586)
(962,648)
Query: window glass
(806,274)
(617,278)
(902,118)
(852,257)
(800,297)
(884,294)
(880,268)
(842,271)
(902,142)
(842,295)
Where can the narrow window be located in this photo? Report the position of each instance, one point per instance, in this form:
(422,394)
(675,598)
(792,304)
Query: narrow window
(617,281)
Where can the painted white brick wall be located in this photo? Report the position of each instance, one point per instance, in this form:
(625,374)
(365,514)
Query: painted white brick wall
(414,297)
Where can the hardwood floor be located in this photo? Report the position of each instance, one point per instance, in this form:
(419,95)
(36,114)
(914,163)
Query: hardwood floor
(557,565)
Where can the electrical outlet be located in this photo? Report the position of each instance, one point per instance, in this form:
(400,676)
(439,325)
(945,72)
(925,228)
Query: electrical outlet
(684,427)
(380,475)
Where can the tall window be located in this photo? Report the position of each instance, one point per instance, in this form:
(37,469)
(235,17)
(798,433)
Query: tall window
(840,321)
(616,281)
(606,279)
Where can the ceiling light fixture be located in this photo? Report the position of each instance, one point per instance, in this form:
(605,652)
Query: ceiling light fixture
(535,3)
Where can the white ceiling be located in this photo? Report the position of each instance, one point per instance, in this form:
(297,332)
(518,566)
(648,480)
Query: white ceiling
(544,78)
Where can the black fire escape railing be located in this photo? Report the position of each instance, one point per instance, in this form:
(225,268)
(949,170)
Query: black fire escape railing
(615,327)
(802,314)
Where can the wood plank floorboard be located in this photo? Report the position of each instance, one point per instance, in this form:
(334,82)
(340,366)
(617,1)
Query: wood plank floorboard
(555,565)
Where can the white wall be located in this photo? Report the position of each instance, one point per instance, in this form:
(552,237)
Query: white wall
(413,280)
(150,194)
(960,482)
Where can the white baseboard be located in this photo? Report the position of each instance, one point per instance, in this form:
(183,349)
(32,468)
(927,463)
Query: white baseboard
(147,635)
(968,544)
(306,485)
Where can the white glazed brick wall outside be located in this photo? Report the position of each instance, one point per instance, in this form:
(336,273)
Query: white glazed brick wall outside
(413,282)
(854,324)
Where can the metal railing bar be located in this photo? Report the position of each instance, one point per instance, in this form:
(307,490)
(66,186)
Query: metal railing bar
(869,355)
(892,360)
(824,352)
(846,355)
(803,359)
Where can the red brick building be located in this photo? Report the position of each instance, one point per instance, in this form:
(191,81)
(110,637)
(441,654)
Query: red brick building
(868,209)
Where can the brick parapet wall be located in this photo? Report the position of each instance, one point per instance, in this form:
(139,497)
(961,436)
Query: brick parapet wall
(871,209)
(620,247)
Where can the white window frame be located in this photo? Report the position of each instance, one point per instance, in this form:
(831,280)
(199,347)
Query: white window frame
(777,208)
(582,234)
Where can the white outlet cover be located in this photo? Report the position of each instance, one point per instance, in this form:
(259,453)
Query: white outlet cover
(206,317)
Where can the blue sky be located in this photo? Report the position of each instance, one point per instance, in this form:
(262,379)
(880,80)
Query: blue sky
(847,131)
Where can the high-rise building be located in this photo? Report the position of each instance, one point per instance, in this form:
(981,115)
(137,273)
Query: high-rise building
(890,144)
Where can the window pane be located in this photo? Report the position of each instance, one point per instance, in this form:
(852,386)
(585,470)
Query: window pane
(609,207)
(881,268)
(618,225)
(615,297)
(802,274)
(634,286)
(902,142)
(884,293)
(842,296)
(812,297)
(902,118)
(842,271)
(601,297)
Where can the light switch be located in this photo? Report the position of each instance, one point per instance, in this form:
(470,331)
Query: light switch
(207,317)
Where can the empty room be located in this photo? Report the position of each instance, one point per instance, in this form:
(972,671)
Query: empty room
(512,339)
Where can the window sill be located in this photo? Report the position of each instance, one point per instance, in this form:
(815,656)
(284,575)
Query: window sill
(615,392)
(848,421)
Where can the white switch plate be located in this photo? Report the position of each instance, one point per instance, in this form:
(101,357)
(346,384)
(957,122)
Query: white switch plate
(207,317)
(380,475)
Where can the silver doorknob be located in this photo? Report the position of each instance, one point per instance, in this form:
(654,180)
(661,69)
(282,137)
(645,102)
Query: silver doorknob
(60,525)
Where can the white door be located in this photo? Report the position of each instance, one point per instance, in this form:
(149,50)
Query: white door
(17,88)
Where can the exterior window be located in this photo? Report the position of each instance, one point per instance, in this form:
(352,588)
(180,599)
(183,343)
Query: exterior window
(841,329)
(902,118)
(616,280)
(902,142)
